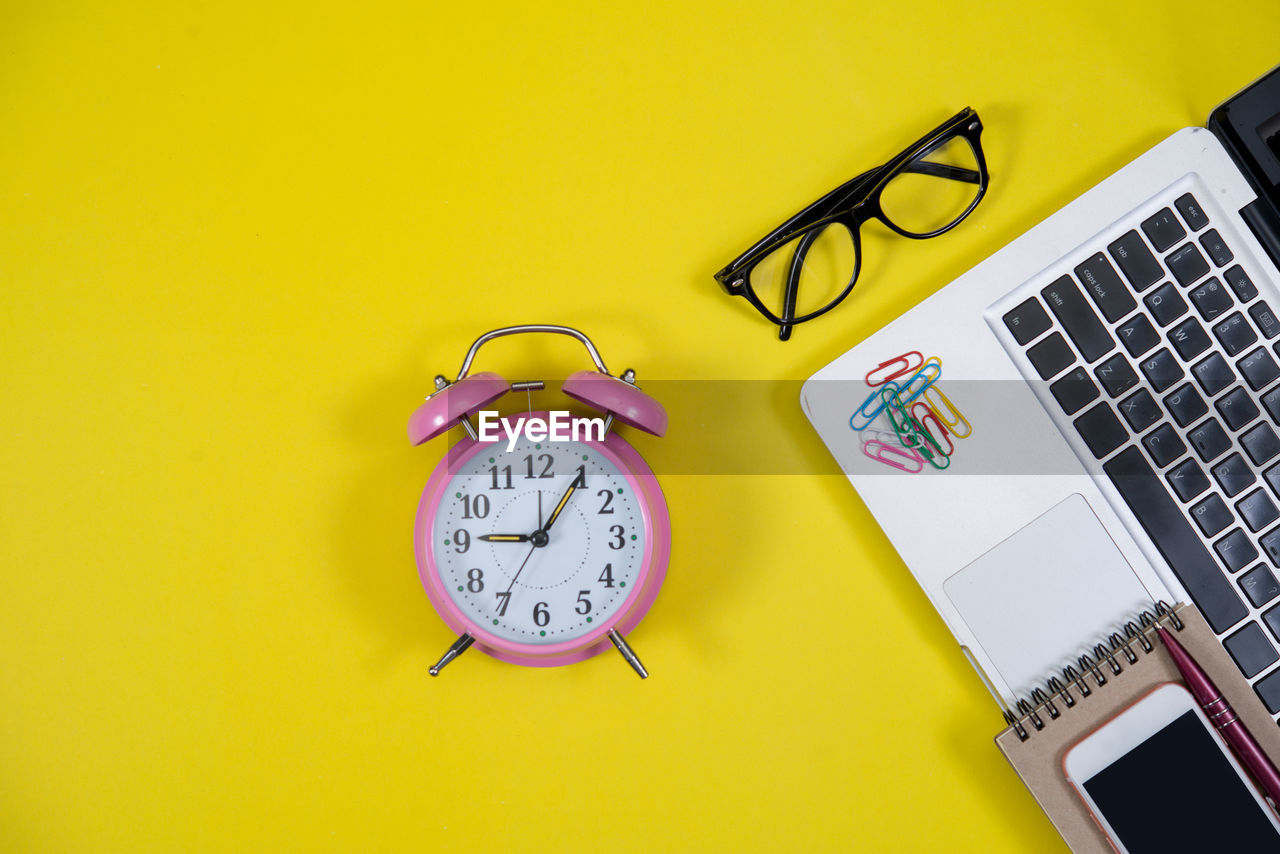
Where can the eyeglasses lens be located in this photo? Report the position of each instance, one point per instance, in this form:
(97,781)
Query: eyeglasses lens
(935,189)
(820,262)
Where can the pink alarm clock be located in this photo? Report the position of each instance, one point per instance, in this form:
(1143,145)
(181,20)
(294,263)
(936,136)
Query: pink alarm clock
(541,537)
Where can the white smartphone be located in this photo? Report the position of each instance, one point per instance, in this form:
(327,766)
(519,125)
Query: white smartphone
(1157,777)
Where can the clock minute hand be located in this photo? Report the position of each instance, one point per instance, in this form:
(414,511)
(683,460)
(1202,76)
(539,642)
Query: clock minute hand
(578,482)
(505,538)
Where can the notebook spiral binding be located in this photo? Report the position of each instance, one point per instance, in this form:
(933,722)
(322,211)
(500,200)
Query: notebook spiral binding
(1105,658)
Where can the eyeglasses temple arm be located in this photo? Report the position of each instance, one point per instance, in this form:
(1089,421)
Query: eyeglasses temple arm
(942,170)
(793,283)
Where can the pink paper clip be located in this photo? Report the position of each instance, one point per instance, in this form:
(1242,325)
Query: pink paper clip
(956,418)
(938,431)
(899,365)
(894,456)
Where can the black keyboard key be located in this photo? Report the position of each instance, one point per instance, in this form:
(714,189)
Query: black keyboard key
(1209,440)
(1101,430)
(1189,338)
(1162,370)
(1268,690)
(1234,475)
(1213,374)
(1271,403)
(1235,550)
(1028,321)
(1272,477)
(1261,443)
(1080,321)
(1211,299)
(1251,650)
(1191,211)
(1187,264)
(1163,230)
(1137,263)
(1074,390)
(1177,541)
(1140,410)
(1185,404)
(1164,445)
(1265,319)
(1101,283)
(1259,585)
(1166,304)
(1235,334)
(1187,479)
(1257,510)
(1051,356)
(1236,408)
(1258,369)
(1137,335)
(1271,545)
(1216,248)
(1116,375)
(1211,515)
(1240,283)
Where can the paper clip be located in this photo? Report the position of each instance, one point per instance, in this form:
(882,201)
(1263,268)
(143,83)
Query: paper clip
(899,418)
(941,432)
(885,436)
(905,361)
(863,422)
(957,418)
(928,374)
(895,456)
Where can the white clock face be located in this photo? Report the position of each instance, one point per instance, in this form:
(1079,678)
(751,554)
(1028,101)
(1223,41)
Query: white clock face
(520,579)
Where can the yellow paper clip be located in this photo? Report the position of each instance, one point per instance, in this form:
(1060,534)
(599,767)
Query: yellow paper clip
(957,418)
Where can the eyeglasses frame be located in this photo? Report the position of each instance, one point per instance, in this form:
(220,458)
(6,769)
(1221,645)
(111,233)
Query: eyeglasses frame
(851,204)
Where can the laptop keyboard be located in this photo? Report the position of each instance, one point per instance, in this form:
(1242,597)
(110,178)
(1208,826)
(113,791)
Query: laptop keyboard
(1162,356)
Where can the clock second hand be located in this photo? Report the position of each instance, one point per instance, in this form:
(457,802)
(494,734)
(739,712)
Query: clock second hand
(539,537)
(504,598)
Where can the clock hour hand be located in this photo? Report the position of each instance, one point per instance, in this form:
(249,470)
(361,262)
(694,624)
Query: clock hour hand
(505,538)
(578,482)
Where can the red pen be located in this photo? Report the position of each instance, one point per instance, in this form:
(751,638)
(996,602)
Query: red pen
(1224,719)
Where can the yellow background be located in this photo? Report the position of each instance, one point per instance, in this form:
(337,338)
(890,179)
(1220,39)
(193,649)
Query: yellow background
(238,239)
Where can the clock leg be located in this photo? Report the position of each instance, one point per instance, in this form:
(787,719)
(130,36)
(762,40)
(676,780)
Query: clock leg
(628,653)
(458,648)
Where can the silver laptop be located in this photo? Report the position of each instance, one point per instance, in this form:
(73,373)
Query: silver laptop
(1119,365)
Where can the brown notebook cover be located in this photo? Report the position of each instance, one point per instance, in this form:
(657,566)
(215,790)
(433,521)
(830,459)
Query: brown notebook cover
(1041,735)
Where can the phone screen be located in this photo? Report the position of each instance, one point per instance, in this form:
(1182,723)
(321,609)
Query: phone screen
(1177,792)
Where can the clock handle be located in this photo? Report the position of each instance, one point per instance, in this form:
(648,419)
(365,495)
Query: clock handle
(628,653)
(458,648)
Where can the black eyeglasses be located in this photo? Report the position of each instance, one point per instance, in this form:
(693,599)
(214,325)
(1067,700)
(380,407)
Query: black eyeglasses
(922,192)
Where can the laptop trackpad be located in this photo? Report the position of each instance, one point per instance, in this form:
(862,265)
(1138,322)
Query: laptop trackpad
(1047,594)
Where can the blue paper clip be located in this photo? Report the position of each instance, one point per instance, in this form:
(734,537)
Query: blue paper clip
(924,378)
(868,417)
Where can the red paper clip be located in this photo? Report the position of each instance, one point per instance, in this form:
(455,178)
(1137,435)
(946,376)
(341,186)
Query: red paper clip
(892,365)
(938,431)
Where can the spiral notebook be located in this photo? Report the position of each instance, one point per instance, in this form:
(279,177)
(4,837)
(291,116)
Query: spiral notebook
(1085,695)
